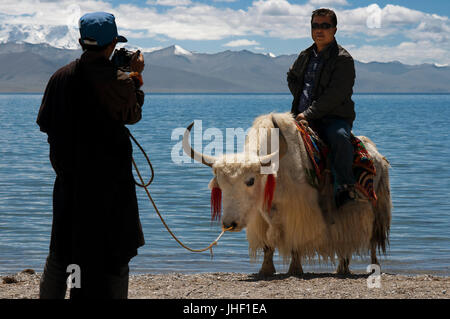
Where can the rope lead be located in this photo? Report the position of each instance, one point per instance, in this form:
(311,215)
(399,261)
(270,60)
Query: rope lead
(145,185)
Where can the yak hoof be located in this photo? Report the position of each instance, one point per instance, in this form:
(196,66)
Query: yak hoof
(343,271)
(266,272)
(296,272)
(343,267)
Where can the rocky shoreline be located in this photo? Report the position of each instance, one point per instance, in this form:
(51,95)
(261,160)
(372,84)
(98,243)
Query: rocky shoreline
(25,285)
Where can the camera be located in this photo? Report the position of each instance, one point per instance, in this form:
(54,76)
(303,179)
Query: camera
(122,59)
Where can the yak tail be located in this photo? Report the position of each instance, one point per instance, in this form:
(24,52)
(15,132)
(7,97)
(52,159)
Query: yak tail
(382,221)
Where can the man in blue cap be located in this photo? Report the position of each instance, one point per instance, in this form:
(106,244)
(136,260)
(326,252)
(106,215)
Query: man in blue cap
(96,228)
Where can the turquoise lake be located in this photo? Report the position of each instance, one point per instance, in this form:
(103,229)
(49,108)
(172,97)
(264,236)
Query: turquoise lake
(412,131)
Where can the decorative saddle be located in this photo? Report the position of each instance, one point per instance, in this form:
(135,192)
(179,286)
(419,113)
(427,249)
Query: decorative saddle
(363,167)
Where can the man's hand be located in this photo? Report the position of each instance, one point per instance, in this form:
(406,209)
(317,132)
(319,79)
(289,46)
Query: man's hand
(301,116)
(137,63)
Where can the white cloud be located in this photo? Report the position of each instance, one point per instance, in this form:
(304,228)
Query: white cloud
(47,21)
(405,52)
(169,3)
(391,19)
(241,43)
(273,8)
(329,2)
(198,21)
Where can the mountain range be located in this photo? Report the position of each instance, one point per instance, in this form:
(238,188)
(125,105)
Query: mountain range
(27,67)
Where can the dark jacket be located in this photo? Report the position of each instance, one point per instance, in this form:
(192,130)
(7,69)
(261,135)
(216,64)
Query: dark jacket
(333,87)
(84,111)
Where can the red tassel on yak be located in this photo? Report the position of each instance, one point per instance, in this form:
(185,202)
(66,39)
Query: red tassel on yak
(216,198)
(216,203)
(269,190)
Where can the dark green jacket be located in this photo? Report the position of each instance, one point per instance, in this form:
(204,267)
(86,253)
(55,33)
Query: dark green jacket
(333,87)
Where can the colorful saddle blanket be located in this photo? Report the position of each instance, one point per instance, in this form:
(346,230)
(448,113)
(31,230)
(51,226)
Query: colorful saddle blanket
(363,167)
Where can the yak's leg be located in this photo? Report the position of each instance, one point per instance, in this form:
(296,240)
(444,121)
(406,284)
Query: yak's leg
(373,254)
(295,268)
(343,267)
(267,267)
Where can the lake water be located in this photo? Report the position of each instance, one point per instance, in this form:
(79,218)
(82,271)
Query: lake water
(410,130)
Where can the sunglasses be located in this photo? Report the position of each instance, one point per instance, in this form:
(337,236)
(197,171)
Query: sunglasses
(324,25)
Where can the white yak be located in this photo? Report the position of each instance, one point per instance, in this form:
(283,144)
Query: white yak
(296,224)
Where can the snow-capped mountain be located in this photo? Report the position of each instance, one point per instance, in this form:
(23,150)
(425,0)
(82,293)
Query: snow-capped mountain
(61,37)
(173,50)
(26,67)
(131,47)
(177,50)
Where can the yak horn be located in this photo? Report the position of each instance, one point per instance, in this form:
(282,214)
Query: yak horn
(267,159)
(205,159)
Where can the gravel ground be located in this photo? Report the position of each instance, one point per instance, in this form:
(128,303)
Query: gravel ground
(242,286)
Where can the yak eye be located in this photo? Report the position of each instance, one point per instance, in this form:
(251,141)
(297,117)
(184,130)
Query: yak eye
(250,182)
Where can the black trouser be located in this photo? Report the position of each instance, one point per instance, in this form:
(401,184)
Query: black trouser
(107,283)
(337,134)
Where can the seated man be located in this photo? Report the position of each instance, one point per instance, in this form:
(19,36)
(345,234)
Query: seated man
(321,82)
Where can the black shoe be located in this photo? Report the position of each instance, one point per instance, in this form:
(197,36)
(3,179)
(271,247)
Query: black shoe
(344,194)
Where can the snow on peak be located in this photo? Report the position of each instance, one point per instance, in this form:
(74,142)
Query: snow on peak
(440,65)
(271,55)
(56,36)
(180,51)
(131,47)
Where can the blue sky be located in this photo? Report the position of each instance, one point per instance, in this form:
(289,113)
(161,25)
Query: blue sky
(437,6)
(411,32)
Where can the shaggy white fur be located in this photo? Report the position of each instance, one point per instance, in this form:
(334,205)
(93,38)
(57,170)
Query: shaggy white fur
(296,225)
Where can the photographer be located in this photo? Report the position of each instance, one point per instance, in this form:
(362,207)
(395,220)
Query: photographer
(84,110)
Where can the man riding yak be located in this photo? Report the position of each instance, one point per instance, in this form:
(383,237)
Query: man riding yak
(321,82)
(292,209)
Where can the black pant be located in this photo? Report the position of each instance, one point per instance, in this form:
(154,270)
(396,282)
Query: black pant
(111,282)
(336,133)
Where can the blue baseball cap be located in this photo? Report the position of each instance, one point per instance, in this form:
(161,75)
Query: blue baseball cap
(99,28)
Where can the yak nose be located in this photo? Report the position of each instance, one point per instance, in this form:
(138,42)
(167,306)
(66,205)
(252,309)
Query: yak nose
(228,225)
